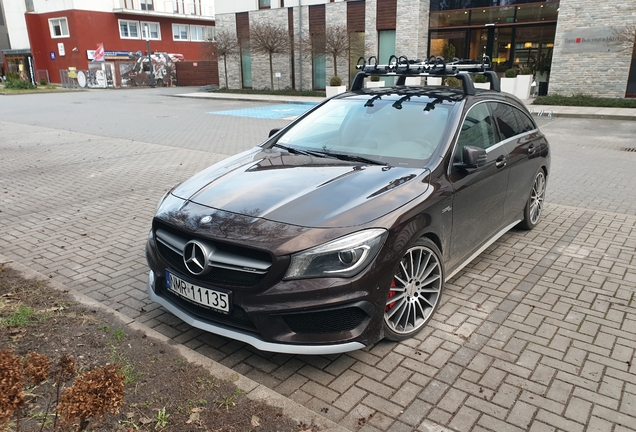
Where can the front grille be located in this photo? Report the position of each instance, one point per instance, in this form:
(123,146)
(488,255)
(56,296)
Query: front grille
(218,275)
(236,318)
(325,321)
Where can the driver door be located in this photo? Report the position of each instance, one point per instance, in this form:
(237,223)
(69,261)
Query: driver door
(478,204)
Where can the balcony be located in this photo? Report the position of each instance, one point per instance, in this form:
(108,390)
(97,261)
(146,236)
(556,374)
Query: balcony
(198,9)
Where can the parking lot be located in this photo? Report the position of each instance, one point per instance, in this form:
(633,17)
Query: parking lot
(537,333)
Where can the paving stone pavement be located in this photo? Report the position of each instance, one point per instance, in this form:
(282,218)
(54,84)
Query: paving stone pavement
(538,333)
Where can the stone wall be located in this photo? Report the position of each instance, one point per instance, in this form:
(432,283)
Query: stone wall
(302,54)
(336,15)
(370,30)
(598,72)
(227,23)
(280,62)
(411,35)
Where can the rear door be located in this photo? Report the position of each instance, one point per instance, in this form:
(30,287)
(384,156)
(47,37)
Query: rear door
(524,144)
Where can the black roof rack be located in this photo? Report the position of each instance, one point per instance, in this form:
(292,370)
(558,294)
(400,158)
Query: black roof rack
(402,68)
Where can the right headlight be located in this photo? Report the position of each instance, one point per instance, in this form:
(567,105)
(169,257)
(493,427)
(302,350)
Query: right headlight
(343,257)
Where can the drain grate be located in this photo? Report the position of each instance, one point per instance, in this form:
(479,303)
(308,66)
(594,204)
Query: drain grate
(629,149)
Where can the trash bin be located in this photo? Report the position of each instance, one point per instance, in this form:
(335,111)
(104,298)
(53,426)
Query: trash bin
(543,88)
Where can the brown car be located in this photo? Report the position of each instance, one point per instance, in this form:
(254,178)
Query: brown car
(342,228)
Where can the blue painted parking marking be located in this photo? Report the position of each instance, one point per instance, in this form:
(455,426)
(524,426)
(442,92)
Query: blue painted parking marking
(269,111)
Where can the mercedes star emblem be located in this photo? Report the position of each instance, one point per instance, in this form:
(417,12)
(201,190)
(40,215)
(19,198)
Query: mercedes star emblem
(195,258)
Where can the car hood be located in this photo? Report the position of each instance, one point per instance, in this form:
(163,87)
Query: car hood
(303,190)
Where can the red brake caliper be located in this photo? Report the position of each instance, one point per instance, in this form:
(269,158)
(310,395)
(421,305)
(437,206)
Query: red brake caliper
(391,294)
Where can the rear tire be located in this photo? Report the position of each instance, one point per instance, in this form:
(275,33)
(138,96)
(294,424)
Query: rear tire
(415,291)
(534,206)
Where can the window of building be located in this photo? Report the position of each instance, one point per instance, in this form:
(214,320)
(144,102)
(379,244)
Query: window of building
(197,33)
(29,5)
(147,5)
(152,28)
(246,65)
(386,48)
(128,29)
(180,32)
(59,27)
(210,33)
(264,4)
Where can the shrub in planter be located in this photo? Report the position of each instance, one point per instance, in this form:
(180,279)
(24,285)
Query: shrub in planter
(481,79)
(511,73)
(375,78)
(452,82)
(525,71)
(335,81)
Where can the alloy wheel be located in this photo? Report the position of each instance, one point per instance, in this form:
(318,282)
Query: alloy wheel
(414,292)
(536,197)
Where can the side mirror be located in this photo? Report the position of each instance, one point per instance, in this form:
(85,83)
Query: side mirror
(473,157)
(273,132)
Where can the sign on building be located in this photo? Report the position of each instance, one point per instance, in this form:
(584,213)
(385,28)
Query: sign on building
(593,39)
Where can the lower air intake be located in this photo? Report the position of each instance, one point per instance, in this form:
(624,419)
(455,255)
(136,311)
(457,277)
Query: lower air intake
(326,321)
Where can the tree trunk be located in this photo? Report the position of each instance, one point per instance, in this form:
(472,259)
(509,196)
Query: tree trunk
(335,65)
(271,72)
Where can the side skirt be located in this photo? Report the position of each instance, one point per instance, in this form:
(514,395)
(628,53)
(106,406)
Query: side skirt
(481,249)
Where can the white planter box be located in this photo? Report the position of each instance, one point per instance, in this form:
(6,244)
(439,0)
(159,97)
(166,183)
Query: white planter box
(483,85)
(433,81)
(508,85)
(334,90)
(373,84)
(523,86)
(413,81)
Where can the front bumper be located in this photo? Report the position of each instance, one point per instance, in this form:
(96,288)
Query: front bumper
(245,336)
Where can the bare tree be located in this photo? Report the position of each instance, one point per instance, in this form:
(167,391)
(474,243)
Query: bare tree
(270,39)
(226,45)
(626,36)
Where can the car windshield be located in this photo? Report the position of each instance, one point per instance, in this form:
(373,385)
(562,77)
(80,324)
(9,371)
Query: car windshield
(392,129)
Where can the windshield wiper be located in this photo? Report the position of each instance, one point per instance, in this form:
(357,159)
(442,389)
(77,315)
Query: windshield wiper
(295,150)
(353,158)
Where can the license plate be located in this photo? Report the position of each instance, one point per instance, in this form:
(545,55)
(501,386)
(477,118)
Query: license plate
(217,300)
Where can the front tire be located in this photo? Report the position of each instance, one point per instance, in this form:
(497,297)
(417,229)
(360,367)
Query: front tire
(534,206)
(415,290)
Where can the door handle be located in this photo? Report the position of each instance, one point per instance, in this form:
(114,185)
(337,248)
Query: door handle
(500,162)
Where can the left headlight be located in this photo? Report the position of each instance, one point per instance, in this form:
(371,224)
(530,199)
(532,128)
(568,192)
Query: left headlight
(343,257)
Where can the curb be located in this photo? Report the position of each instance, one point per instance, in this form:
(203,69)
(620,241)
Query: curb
(308,99)
(252,389)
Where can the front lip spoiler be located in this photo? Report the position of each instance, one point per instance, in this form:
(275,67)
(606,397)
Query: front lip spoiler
(246,337)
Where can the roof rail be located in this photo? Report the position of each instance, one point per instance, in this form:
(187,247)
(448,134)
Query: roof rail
(402,67)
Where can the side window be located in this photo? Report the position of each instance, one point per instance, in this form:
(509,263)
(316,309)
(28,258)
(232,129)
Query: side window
(525,123)
(506,120)
(477,130)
